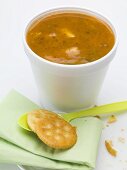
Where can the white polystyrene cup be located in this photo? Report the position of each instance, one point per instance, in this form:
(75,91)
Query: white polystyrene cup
(66,88)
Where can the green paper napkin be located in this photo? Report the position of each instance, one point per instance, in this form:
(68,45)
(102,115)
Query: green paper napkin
(10,153)
(82,155)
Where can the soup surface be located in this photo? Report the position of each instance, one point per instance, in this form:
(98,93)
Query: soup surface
(70,38)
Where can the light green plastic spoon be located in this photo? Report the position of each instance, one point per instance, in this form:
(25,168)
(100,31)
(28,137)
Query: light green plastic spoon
(99,110)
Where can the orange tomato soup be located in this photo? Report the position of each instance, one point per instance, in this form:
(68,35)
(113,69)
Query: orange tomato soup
(70,38)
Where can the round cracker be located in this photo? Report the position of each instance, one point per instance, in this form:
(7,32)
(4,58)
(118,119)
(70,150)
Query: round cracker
(55,132)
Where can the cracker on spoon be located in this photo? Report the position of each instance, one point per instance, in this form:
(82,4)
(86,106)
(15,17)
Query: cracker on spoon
(52,129)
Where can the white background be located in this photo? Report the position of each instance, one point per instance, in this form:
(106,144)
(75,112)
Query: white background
(15,71)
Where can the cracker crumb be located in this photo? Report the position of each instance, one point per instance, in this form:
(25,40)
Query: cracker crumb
(109,146)
(112,119)
(97,117)
(121,140)
(110,142)
(122,130)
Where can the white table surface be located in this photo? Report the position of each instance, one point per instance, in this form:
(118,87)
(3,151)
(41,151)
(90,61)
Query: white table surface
(15,71)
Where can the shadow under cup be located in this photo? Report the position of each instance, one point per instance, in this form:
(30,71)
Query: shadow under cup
(67,88)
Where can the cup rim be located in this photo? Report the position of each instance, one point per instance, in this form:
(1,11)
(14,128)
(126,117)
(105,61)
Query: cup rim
(71,9)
